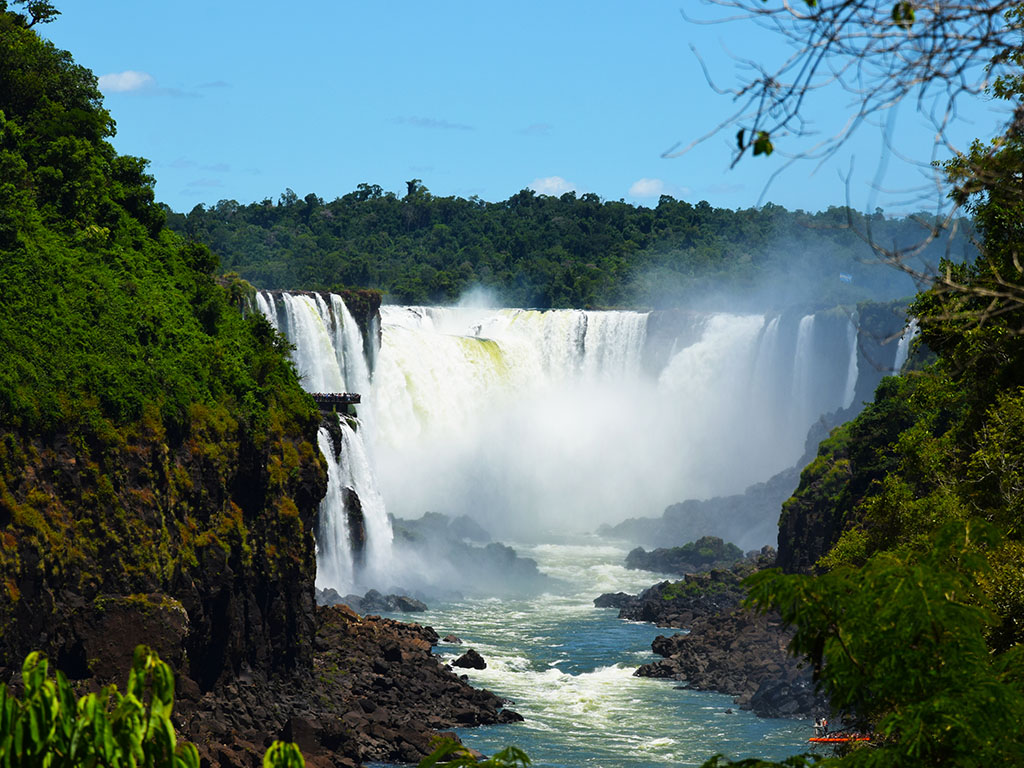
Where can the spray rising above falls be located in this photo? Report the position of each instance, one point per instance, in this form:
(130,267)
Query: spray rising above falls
(536,423)
(561,420)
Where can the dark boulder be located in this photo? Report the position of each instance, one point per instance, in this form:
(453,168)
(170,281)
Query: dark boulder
(612,600)
(470,660)
(356,523)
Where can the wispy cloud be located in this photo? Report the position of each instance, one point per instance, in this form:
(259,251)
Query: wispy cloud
(129,80)
(537,129)
(552,185)
(215,84)
(724,189)
(205,183)
(649,188)
(431,122)
(132,81)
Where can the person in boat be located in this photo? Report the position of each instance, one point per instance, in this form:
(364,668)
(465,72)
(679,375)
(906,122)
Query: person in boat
(819,726)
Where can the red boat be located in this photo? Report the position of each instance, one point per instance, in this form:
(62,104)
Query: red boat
(839,738)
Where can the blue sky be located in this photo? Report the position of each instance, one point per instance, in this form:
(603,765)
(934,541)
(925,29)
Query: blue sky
(233,100)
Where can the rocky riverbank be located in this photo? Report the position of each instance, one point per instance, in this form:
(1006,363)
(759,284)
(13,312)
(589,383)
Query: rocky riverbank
(376,693)
(727,649)
(678,603)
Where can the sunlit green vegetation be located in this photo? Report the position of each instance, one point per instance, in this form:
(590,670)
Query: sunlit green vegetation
(569,251)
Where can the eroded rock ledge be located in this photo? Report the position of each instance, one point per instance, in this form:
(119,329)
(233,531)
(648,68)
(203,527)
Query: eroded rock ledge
(377,693)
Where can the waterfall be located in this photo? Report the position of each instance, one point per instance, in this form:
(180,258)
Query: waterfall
(268,309)
(803,371)
(529,420)
(334,566)
(310,330)
(537,421)
(903,347)
(354,536)
(851,369)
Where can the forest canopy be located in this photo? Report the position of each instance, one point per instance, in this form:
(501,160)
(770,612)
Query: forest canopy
(571,251)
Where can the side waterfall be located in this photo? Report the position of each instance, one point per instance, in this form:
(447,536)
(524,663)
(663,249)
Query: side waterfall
(903,346)
(354,536)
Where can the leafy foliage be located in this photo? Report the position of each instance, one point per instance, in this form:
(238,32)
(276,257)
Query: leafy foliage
(901,644)
(145,423)
(542,251)
(915,620)
(451,754)
(46,727)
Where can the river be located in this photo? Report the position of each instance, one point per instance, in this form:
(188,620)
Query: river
(568,666)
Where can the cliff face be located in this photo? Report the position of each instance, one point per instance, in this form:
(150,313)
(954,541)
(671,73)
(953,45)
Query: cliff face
(217,524)
(850,467)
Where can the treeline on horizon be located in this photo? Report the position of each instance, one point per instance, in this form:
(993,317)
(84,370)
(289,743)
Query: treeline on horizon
(536,250)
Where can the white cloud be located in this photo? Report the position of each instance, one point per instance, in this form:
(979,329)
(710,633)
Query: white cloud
(552,185)
(537,129)
(647,188)
(129,80)
(651,188)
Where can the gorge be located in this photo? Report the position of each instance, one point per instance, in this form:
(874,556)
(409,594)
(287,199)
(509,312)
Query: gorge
(539,427)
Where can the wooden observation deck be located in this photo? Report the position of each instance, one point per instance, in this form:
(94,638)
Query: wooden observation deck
(328,401)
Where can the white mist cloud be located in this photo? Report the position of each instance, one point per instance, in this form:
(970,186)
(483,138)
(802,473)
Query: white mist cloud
(645,188)
(129,80)
(552,185)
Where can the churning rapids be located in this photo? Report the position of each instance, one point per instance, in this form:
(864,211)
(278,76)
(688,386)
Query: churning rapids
(541,426)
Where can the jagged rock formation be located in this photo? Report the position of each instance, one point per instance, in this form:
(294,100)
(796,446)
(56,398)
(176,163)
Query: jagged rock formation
(727,649)
(372,602)
(744,655)
(356,525)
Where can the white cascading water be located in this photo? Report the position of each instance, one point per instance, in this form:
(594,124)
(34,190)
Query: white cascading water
(803,370)
(903,347)
(531,421)
(329,356)
(851,368)
(535,422)
(334,562)
(268,309)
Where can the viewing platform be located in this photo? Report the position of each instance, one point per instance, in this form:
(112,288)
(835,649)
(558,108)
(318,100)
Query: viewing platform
(328,400)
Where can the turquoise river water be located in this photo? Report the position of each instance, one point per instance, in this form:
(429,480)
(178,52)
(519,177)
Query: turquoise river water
(568,666)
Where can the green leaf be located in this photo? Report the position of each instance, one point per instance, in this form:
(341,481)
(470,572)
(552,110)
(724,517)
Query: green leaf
(903,14)
(763,144)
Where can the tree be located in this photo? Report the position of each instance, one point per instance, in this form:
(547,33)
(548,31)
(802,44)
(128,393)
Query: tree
(879,51)
(899,645)
(39,11)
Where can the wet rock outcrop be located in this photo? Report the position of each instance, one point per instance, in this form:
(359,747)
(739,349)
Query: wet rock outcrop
(742,654)
(372,602)
(678,603)
(470,660)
